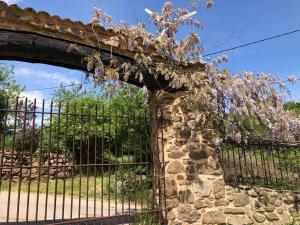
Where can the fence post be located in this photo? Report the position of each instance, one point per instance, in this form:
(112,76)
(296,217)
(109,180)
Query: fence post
(193,176)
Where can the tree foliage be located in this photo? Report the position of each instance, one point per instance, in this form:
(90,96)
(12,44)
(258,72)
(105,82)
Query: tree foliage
(88,120)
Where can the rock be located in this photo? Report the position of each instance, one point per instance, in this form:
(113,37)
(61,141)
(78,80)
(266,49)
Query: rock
(175,167)
(180,177)
(35,164)
(203,189)
(272,200)
(219,188)
(187,214)
(252,193)
(241,199)
(272,216)
(175,223)
(186,196)
(288,199)
(15,171)
(199,204)
(176,154)
(171,216)
(172,203)
(270,208)
(294,212)
(278,203)
(190,169)
(280,210)
(171,188)
(214,217)
(234,211)
(221,202)
(33,170)
(260,218)
(239,220)
(185,133)
(60,175)
(198,154)
(52,172)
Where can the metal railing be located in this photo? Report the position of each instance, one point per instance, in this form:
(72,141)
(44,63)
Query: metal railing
(269,164)
(79,164)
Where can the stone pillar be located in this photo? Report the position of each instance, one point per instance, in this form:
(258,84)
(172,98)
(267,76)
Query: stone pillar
(194,178)
(195,190)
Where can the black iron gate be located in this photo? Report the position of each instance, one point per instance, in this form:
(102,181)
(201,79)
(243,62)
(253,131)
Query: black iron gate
(63,163)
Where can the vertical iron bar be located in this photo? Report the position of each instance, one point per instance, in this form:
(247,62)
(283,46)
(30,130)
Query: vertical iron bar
(80,162)
(134,161)
(256,163)
(22,152)
(31,157)
(48,160)
(88,163)
(128,175)
(65,159)
(95,157)
(3,138)
(57,155)
(273,161)
(116,168)
(73,160)
(122,166)
(109,156)
(141,192)
(11,162)
(102,161)
(39,162)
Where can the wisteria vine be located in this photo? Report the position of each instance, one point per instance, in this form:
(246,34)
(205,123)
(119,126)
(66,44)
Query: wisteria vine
(233,100)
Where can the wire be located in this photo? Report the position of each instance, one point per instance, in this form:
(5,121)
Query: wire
(252,43)
(49,88)
(209,54)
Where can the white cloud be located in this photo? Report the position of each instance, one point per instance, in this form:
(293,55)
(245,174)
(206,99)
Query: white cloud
(47,77)
(31,95)
(9,2)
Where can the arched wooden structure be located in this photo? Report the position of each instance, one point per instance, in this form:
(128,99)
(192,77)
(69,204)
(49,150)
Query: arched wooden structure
(37,37)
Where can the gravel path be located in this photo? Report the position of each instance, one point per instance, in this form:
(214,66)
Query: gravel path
(86,207)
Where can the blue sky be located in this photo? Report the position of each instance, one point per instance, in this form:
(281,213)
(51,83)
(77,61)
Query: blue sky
(229,23)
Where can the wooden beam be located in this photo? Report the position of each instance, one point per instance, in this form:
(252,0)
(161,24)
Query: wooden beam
(36,48)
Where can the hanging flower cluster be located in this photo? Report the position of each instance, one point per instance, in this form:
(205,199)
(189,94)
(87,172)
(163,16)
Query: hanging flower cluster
(238,102)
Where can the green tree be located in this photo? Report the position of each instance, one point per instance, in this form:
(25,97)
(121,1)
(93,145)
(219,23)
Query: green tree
(293,106)
(89,122)
(9,90)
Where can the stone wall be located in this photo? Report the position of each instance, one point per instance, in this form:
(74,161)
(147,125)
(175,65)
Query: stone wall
(195,189)
(17,166)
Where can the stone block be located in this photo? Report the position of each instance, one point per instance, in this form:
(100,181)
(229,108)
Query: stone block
(187,214)
(230,210)
(259,218)
(203,188)
(239,220)
(176,154)
(214,217)
(241,199)
(219,189)
(175,167)
(272,216)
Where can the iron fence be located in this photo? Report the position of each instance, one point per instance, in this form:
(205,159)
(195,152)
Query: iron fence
(64,163)
(274,165)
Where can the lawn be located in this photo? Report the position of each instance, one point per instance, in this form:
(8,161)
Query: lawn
(106,187)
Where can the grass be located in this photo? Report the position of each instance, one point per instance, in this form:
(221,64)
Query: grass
(294,222)
(84,187)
